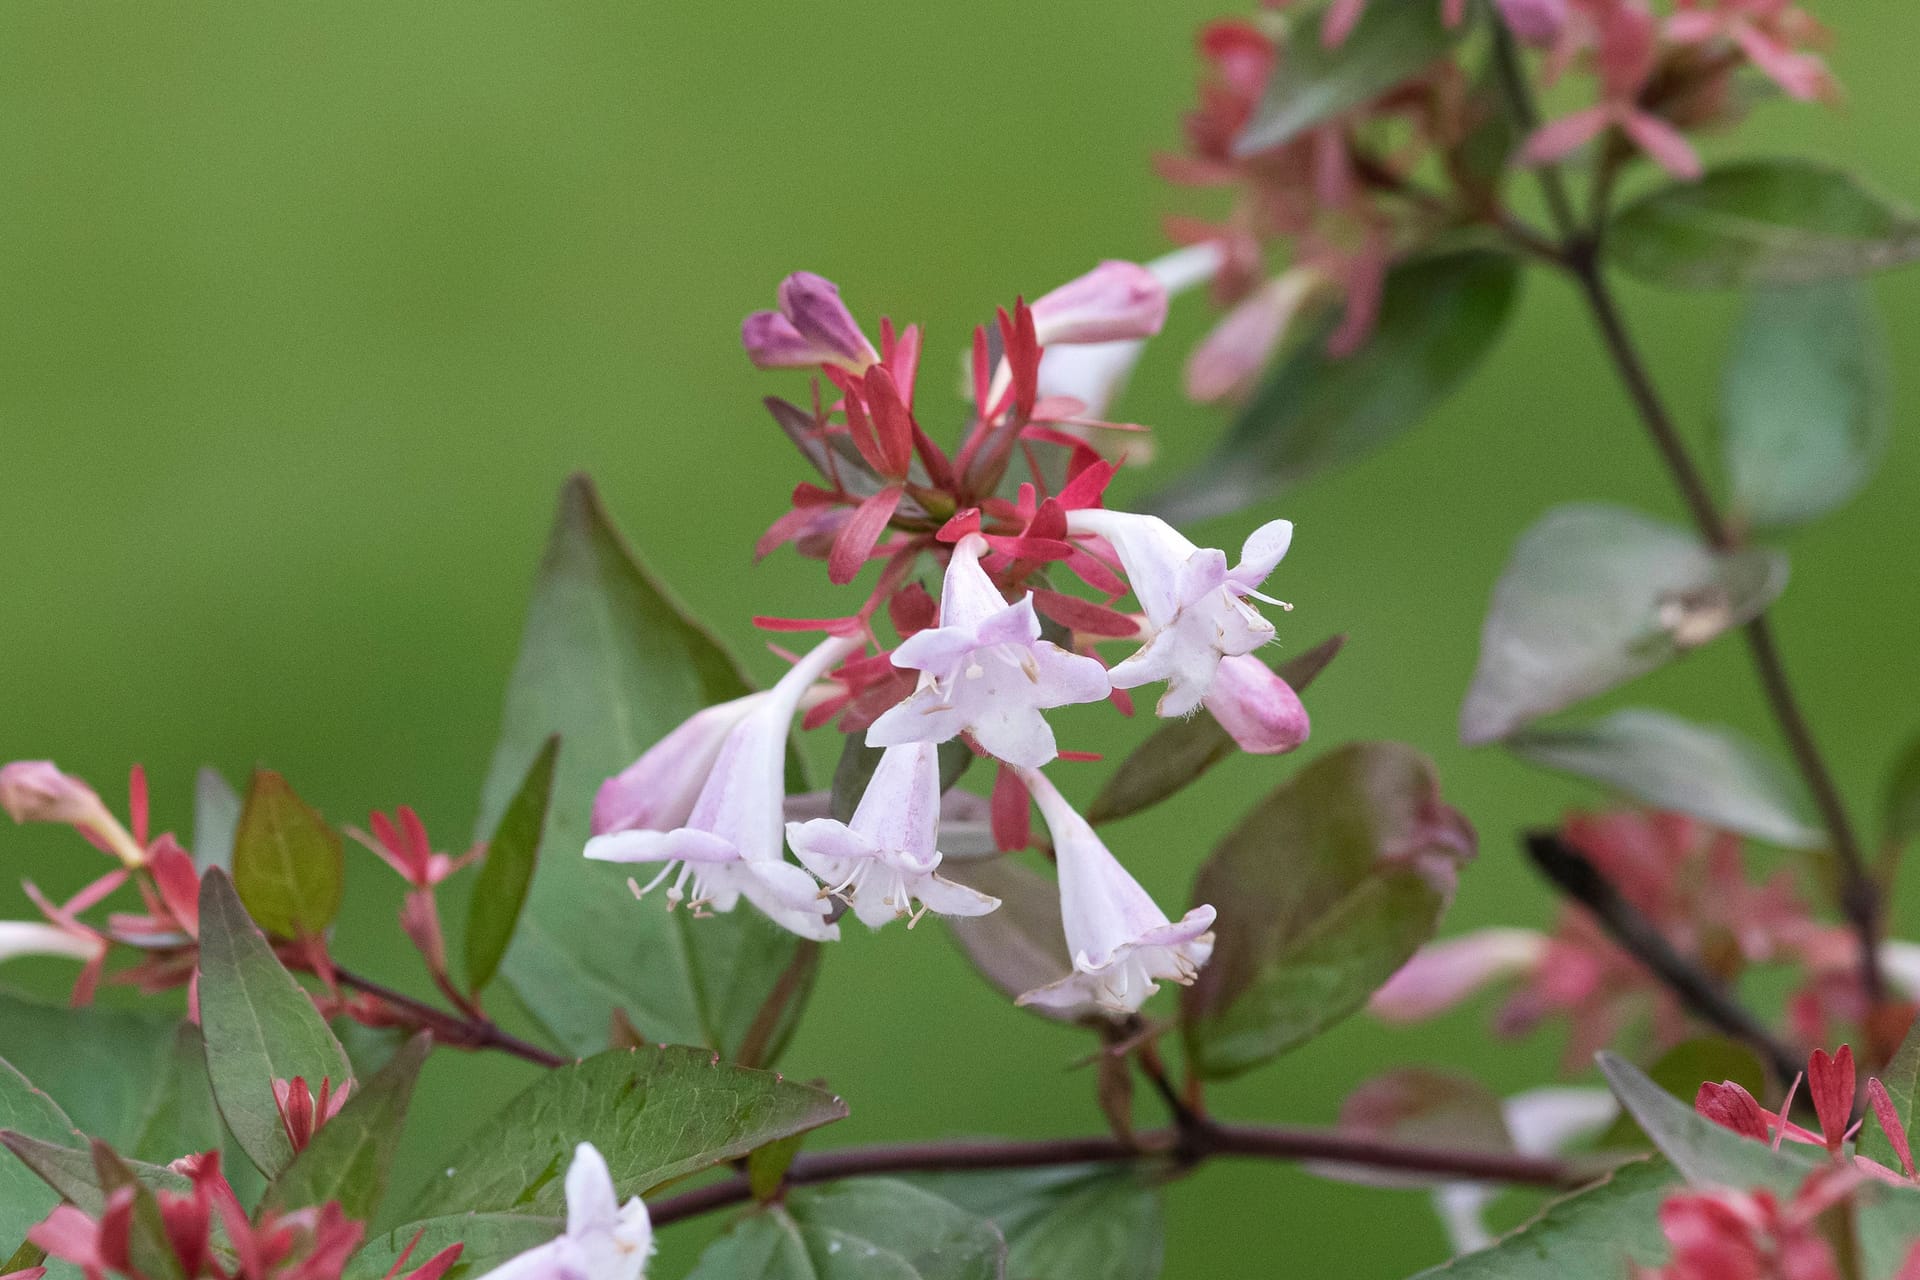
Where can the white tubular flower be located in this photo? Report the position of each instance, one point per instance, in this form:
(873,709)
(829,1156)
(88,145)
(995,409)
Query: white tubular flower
(730,845)
(657,792)
(986,671)
(1192,600)
(1122,943)
(604,1240)
(1096,373)
(33,938)
(884,860)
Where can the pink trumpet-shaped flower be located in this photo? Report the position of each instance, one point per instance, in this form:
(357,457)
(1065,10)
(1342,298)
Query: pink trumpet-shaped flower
(1195,614)
(37,791)
(1442,974)
(1122,943)
(812,327)
(884,860)
(1258,709)
(730,846)
(604,1239)
(1229,359)
(986,671)
(657,792)
(1094,373)
(1114,302)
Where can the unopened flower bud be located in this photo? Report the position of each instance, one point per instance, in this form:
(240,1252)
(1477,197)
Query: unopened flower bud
(1114,302)
(36,791)
(1258,709)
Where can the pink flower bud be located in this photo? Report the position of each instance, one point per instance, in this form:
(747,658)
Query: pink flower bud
(36,791)
(1114,302)
(1443,974)
(1229,359)
(811,327)
(1256,707)
(1535,22)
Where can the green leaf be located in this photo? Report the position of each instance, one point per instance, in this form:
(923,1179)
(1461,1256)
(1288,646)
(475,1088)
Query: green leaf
(216,819)
(24,1198)
(1323,892)
(75,1175)
(611,663)
(501,889)
(1439,317)
(1391,44)
(1711,772)
(1775,221)
(1019,945)
(1805,402)
(126,1052)
(656,1114)
(1182,749)
(260,1026)
(487,1240)
(287,866)
(350,1156)
(149,1250)
(1900,806)
(1071,1223)
(767,1166)
(1901,1077)
(1705,1153)
(1595,596)
(1590,1235)
(180,1117)
(863,1229)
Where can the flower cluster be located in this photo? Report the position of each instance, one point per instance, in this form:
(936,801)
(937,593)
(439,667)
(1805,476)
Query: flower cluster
(981,663)
(1320,213)
(207,1234)
(1691,882)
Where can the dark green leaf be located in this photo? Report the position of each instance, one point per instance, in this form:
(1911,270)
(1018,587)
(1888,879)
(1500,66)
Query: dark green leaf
(1439,316)
(1705,1153)
(655,1114)
(216,817)
(1900,807)
(148,1248)
(1323,891)
(1805,402)
(1020,945)
(126,1052)
(487,1240)
(260,1026)
(180,1117)
(1777,221)
(500,889)
(767,1167)
(74,1174)
(1180,750)
(864,1229)
(1072,1223)
(1391,44)
(1593,597)
(287,866)
(1712,772)
(611,663)
(24,1198)
(1590,1235)
(350,1155)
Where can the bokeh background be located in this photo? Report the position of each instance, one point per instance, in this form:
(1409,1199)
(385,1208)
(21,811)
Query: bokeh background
(308,310)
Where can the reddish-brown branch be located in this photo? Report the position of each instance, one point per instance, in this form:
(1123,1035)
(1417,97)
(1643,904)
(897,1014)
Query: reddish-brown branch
(458,1031)
(1204,1140)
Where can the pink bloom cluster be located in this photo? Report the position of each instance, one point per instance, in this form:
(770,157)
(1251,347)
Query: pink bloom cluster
(980,662)
(1324,212)
(1689,880)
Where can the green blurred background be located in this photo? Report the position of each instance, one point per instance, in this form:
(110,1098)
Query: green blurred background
(310,308)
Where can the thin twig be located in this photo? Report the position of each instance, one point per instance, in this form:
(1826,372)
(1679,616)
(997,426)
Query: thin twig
(453,1029)
(1580,880)
(1208,1140)
(1859,895)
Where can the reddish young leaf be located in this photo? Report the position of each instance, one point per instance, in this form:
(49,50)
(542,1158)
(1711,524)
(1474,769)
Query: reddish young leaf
(860,535)
(1084,615)
(1732,1107)
(1830,1081)
(1889,1117)
(892,424)
(1012,812)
